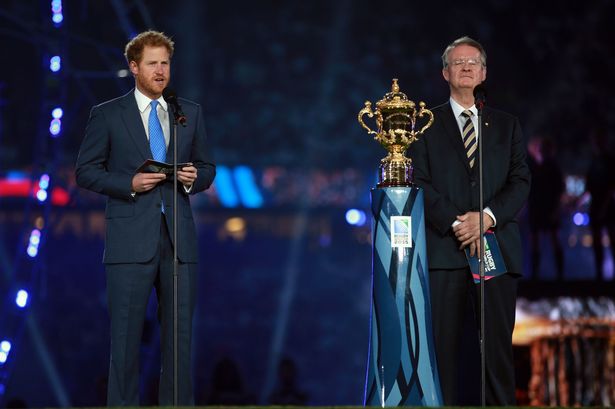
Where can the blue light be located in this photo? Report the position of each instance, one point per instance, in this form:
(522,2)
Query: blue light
(56,9)
(56,6)
(57,18)
(32,251)
(5,347)
(43,182)
(41,195)
(35,236)
(224,187)
(55,63)
(57,113)
(16,175)
(248,191)
(35,239)
(355,217)
(22,298)
(55,127)
(580,219)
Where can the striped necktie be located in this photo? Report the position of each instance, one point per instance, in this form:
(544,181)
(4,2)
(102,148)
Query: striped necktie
(156,137)
(468,135)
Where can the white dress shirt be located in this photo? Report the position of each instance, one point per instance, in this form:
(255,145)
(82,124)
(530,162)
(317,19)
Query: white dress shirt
(461,121)
(143,103)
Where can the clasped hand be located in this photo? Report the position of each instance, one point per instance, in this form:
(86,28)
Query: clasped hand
(467,230)
(143,182)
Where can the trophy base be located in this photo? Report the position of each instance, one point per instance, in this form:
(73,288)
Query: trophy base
(395,174)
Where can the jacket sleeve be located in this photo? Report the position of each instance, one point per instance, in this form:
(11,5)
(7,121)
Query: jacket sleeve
(91,169)
(507,202)
(201,156)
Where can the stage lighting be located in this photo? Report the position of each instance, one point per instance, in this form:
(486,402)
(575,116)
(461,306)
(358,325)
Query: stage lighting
(35,239)
(5,347)
(580,219)
(55,127)
(21,299)
(55,63)
(224,187)
(355,217)
(56,9)
(43,182)
(57,113)
(41,195)
(248,191)
(57,18)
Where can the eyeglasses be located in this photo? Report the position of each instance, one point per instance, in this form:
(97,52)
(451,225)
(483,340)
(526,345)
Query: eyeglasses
(472,62)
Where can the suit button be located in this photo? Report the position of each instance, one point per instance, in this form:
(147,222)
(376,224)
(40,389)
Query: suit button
(473,183)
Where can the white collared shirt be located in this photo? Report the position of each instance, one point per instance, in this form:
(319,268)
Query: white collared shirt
(143,103)
(461,121)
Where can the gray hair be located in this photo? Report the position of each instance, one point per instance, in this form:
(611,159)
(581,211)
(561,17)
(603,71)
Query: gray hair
(465,40)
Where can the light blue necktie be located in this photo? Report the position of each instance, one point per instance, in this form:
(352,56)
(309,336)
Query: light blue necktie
(156,136)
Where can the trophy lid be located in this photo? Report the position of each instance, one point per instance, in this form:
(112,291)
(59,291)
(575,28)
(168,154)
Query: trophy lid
(395,99)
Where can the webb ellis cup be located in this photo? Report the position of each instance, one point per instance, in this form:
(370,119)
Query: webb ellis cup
(396,119)
(402,369)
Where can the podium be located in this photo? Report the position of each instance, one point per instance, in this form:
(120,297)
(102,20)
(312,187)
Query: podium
(402,369)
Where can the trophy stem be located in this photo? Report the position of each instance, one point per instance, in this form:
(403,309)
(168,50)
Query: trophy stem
(395,173)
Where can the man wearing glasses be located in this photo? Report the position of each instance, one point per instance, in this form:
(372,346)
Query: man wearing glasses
(446,167)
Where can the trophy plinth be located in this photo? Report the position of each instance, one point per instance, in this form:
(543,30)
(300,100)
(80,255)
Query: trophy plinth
(396,121)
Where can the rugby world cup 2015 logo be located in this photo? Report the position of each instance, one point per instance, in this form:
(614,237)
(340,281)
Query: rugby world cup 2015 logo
(401,231)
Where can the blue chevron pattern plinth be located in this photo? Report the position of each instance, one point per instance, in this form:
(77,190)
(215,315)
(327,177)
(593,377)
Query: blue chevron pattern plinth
(402,368)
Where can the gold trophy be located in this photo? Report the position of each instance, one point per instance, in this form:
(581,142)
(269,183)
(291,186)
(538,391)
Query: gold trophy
(396,118)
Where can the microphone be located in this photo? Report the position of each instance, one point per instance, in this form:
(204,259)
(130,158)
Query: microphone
(480,95)
(170,96)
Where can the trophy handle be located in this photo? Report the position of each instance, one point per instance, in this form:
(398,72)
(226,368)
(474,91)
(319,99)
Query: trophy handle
(422,112)
(367,110)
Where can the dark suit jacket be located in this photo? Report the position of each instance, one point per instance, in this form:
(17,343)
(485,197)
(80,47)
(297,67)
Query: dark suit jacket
(451,187)
(115,145)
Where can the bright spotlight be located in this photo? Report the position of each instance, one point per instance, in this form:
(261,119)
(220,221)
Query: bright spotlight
(57,18)
(355,217)
(41,195)
(22,298)
(55,63)
(580,219)
(57,113)
(55,127)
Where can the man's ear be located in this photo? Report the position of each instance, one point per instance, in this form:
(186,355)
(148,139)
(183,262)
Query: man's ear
(445,74)
(134,67)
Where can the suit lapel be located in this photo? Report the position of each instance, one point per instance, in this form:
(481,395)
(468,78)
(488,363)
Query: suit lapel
(452,131)
(134,124)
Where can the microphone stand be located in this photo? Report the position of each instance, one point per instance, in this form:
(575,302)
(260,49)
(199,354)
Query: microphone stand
(480,102)
(175,264)
(178,116)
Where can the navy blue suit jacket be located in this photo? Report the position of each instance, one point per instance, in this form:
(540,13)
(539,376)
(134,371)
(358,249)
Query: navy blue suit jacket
(441,168)
(115,145)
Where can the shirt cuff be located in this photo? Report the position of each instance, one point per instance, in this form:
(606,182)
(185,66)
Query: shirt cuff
(490,213)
